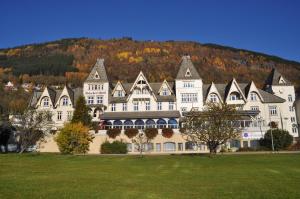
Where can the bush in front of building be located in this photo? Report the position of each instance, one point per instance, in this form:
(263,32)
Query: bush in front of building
(116,147)
(113,133)
(281,139)
(167,132)
(74,138)
(131,132)
(151,133)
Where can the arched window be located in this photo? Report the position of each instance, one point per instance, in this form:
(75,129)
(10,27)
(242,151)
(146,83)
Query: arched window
(118,124)
(128,124)
(64,101)
(234,96)
(139,124)
(190,146)
(172,123)
(161,123)
(253,96)
(169,146)
(213,97)
(45,102)
(150,123)
(107,124)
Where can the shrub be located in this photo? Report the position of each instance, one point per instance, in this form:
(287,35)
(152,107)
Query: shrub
(281,139)
(113,133)
(116,147)
(167,132)
(151,133)
(245,149)
(74,138)
(295,146)
(131,132)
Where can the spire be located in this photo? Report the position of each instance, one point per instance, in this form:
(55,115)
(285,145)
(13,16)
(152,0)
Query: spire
(98,73)
(276,79)
(187,69)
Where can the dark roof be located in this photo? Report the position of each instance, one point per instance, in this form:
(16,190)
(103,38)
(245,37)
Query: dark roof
(55,94)
(186,64)
(140,115)
(274,77)
(223,91)
(100,69)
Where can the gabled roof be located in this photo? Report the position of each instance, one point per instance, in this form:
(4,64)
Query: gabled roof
(168,86)
(210,89)
(232,83)
(274,79)
(267,97)
(119,83)
(187,65)
(98,69)
(52,94)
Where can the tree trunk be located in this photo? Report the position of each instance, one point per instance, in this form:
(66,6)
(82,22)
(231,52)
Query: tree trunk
(212,145)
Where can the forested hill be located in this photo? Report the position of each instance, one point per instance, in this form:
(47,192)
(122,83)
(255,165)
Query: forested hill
(124,58)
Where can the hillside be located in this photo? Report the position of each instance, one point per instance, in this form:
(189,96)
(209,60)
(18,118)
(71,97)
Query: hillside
(124,58)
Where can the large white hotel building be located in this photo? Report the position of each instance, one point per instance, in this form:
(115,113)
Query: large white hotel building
(143,104)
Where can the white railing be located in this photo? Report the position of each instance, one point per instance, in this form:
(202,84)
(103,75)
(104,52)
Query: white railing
(158,126)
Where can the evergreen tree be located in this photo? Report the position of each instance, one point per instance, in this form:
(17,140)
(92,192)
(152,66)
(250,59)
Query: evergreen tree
(81,113)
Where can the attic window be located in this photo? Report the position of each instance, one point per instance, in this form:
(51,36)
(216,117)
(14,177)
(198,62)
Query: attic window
(142,82)
(188,73)
(96,76)
(281,81)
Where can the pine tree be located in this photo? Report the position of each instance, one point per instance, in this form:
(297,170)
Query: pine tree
(81,113)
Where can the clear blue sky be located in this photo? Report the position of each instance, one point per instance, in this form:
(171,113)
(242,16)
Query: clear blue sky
(269,26)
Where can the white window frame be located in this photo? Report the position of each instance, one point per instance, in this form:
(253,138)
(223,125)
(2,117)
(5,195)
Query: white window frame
(171,106)
(59,115)
(99,99)
(136,106)
(159,106)
(113,107)
(189,98)
(46,102)
(124,106)
(273,110)
(90,99)
(65,101)
(147,106)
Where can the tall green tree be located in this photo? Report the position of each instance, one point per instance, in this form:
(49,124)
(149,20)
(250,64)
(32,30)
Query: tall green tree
(81,113)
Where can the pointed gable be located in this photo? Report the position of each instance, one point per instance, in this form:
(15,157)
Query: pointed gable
(233,87)
(140,80)
(187,69)
(251,87)
(48,92)
(213,89)
(119,87)
(165,85)
(65,92)
(275,79)
(98,73)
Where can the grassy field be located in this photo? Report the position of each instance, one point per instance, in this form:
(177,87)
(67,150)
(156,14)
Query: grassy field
(231,176)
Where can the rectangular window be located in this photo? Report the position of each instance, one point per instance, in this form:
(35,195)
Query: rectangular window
(188,84)
(70,115)
(273,110)
(254,108)
(120,93)
(294,130)
(135,106)
(189,98)
(129,147)
(59,115)
(124,107)
(46,102)
(180,146)
(171,106)
(147,106)
(159,107)
(165,92)
(291,109)
(158,147)
(113,107)
(253,96)
(100,99)
(290,98)
(90,100)
(293,119)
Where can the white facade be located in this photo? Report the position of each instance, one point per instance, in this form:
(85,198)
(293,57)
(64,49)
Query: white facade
(143,104)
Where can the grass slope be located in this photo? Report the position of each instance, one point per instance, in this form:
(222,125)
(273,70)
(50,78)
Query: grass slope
(236,176)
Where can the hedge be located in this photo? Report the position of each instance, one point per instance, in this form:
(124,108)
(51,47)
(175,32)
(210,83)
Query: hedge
(116,147)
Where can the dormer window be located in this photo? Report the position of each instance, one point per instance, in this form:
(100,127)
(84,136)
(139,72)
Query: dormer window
(46,102)
(65,101)
(96,75)
(234,96)
(165,92)
(253,96)
(213,98)
(141,82)
(119,93)
(188,73)
(281,80)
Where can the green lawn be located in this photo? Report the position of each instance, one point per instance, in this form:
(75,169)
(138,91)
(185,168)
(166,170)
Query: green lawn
(228,176)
